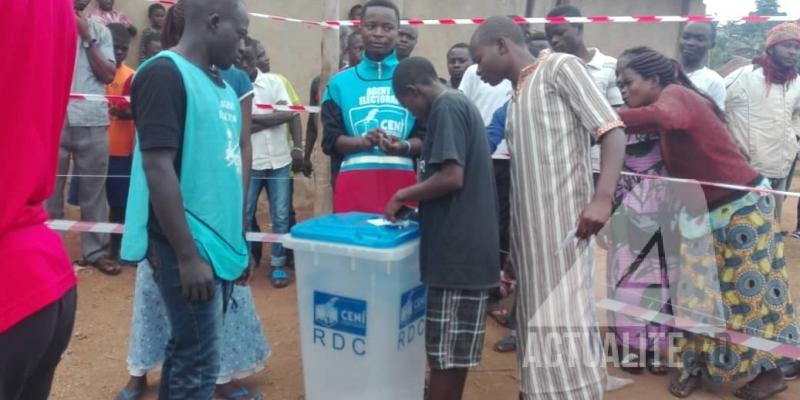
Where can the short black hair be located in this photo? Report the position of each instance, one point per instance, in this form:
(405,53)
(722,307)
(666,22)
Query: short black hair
(153,7)
(494,28)
(711,25)
(119,32)
(461,45)
(567,11)
(413,71)
(354,8)
(380,3)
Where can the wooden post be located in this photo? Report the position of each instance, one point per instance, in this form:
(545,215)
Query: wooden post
(323,192)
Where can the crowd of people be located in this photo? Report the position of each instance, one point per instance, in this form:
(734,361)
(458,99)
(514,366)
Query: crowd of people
(545,121)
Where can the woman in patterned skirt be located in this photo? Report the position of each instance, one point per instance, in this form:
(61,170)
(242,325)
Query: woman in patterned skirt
(733,272)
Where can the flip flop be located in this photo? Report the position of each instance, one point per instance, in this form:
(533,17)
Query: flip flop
(279,278)
(656,367)
(107,267)
(506,345)
(126,394)
(631,364)
(501,316)
(241,394)
(791,371)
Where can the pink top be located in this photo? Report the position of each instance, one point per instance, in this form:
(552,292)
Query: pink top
(34,267)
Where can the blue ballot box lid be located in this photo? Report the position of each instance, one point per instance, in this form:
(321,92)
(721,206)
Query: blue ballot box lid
(356,229)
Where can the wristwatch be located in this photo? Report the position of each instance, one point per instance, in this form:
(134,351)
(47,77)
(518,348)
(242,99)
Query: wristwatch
(88,44)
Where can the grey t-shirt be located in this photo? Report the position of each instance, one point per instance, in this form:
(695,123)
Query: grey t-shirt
(90,113)
(459,231)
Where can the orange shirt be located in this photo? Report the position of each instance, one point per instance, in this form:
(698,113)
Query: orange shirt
(120,132)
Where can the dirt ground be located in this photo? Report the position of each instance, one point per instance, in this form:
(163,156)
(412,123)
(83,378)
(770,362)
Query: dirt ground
(94,366)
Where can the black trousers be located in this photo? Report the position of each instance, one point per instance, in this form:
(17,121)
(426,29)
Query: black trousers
(502,179)
(31,350)
(116,215)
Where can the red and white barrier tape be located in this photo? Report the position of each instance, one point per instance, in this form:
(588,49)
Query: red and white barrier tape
(771,346)
(126,100)
(593,19)
(104,227)
(272,107)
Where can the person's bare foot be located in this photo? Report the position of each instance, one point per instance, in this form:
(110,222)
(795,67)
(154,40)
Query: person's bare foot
(134,389)
(764,386)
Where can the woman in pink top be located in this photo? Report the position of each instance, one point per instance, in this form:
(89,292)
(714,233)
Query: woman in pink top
(37,284)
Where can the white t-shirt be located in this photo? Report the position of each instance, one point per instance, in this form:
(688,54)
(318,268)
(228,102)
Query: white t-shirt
(603,70)
(270,146)
(711,83)
(488,99)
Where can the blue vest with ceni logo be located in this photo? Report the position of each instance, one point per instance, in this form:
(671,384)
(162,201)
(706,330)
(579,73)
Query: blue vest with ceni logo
(365,95)
(210,177)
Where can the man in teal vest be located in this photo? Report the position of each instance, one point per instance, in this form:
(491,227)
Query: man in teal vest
(372,139)
(185,210)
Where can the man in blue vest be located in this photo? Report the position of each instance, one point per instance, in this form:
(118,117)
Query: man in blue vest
(185,211)
(371,138)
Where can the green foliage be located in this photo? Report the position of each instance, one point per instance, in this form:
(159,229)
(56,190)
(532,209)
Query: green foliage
(744,39)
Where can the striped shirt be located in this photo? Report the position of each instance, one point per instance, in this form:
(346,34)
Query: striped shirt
(556,110)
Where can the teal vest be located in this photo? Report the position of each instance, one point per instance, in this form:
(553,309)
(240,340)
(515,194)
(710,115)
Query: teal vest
(210,179)
(364,94)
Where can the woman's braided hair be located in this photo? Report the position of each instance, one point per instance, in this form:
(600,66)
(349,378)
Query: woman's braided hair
(651,64)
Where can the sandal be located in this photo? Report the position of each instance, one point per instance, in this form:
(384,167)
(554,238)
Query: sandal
(748,392)
(506,345)
(795,234)
(279,278)
(631,364)
(683,388)
(791,371)
(501,316)
(126,394)
(107,267)
(656,367)
(242,393)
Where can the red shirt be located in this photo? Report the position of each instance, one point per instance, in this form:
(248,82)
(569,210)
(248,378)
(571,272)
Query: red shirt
(695,144)
(34,268)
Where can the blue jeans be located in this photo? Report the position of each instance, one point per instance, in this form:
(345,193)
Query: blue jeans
(278,185)
(192,357)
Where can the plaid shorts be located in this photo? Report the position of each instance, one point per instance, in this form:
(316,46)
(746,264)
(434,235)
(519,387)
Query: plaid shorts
(455,327)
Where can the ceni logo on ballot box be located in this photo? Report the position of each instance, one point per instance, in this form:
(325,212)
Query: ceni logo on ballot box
(412,312)
(340,323)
